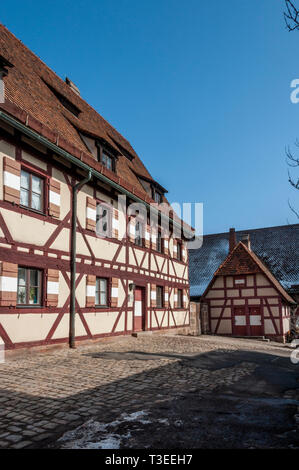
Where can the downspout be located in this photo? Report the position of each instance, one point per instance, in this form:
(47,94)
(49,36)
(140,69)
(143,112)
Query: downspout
(57,150)
(76,189)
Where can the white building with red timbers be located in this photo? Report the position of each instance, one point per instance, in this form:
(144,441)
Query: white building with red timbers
(75,264)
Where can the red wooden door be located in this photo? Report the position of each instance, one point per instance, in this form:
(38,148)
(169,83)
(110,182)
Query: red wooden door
(138,309)
(239,322)
(255,321)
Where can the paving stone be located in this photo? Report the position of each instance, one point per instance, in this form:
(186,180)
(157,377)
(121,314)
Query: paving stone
(13,437)
(43,392)
(41,437)
(21,445)
(3,444)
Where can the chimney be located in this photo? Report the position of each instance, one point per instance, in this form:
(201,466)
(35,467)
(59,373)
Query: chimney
(232,239)
(72,86)
(246,241)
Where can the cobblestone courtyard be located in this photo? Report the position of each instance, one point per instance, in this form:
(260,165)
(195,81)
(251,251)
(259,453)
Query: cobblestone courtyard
(44,395)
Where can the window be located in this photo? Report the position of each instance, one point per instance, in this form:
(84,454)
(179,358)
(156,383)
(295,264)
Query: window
(101,292)
(31,191)
(107,161)
(29,286)
(159,242)
(180,298)
(157,196)
(103,220)
(138,234)
(239,281)
(179,251)
(159,294)
(105,157)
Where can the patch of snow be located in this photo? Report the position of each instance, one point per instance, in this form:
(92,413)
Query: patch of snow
(95,435)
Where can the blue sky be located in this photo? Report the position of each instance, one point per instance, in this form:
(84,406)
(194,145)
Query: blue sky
(200,88)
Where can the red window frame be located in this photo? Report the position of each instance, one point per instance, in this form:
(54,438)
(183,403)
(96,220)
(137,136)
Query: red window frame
(43,179)
(28,286)
(98,292)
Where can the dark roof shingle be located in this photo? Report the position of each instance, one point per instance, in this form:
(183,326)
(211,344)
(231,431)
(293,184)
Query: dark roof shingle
(276,247)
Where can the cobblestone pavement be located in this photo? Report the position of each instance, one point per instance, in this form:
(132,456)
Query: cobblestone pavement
(45,394)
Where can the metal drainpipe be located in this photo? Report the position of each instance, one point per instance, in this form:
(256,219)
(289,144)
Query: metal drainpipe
(76,189)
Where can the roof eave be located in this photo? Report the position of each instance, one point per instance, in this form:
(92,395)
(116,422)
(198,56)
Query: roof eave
(68,156)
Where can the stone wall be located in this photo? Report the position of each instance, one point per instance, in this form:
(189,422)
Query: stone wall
(195,323)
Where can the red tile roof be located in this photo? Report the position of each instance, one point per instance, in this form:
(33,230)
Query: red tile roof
(244,261)
(29,99)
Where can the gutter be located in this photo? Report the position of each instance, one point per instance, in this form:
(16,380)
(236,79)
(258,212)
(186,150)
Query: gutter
(35,136)
(76,189)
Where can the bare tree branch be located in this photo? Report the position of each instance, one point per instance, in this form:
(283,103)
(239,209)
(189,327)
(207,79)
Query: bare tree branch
(292,182)
(291,16)
(291,160)
(292,209)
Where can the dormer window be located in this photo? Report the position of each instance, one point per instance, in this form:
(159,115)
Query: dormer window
(153,189)
(100,151)
(106,157)
(107,161)
(157,196)
(3,66)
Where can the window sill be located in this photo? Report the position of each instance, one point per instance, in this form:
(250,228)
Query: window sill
(29,209)
(29,306)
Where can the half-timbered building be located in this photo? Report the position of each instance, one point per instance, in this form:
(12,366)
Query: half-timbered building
(75,264)
(242,293)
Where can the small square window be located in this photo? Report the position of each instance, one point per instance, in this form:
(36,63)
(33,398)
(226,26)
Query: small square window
(239,281)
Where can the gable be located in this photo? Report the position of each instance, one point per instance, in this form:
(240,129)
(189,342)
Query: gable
(242,261)
(277,247)
(238,262)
